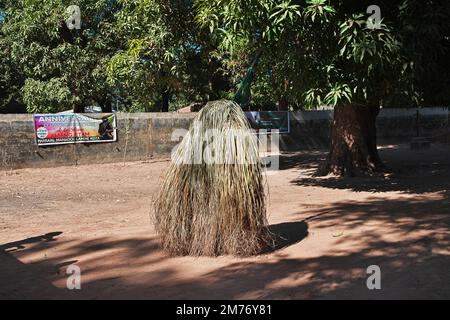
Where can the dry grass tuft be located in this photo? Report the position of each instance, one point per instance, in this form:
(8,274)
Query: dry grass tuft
(212,201)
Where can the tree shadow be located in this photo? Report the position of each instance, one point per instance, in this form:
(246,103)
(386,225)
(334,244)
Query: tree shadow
(410,171)
(408,239)
(302,159)
(407,236)
(51,256)
(18,245)
(404,214)
(19,280)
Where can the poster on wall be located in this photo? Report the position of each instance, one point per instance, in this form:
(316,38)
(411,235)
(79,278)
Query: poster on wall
(270,120)
(56,129)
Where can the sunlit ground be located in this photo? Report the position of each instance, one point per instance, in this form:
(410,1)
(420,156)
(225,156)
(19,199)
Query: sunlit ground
(330,231)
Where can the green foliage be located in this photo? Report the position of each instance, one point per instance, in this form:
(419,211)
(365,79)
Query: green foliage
(424,28)
(145,64)
(320,52)
(147,53)
(47,96)
(42,53)
(162,54)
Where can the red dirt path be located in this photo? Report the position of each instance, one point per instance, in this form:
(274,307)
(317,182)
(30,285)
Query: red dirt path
(97,217)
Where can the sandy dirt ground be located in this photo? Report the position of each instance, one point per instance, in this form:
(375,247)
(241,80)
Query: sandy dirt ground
(97,217)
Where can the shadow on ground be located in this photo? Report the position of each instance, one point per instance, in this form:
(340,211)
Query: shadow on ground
(18,245)
(414,258)
(287,234)
(35,280)
(407,236)
(410,171)
(412,250)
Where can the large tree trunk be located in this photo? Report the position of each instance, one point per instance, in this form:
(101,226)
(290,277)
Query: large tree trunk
(78,109)
(354,142)
(283,104)
(165,101)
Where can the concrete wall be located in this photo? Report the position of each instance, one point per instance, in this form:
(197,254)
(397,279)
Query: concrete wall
(144,136)
(309,130)
(394,124)
(312,129)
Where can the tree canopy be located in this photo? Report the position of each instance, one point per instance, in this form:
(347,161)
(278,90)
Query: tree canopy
(55,68)
(151,54)
(163,54)
(324,52)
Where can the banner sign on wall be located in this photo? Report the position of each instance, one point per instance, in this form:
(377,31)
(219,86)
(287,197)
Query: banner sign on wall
(55,129)
(270,120)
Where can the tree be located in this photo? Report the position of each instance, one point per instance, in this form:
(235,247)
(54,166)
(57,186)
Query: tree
(424,27)
(9,81)
(320,52)
(163,55)
(53,68)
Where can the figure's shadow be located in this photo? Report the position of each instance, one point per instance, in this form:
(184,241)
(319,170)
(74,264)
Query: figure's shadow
(287,234)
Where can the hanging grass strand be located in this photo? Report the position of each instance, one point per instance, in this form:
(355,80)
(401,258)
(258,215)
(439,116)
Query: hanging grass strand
(212,201)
